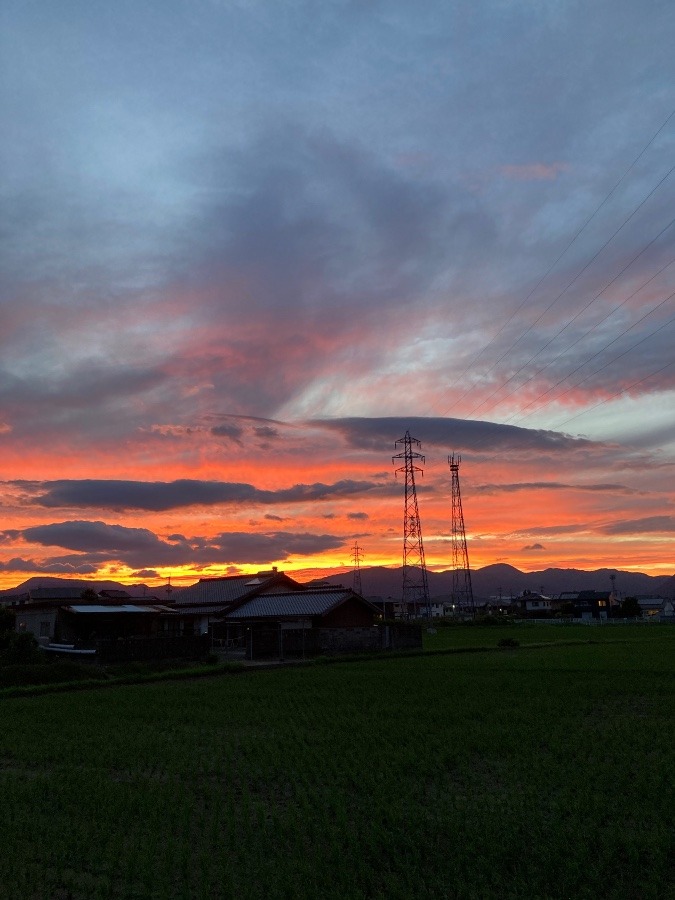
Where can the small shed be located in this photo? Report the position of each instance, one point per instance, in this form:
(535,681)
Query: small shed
(87,623)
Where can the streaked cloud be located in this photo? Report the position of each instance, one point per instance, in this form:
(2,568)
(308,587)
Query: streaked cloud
(245,251)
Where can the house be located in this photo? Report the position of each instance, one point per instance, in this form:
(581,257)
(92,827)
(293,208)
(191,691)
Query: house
(200,608)
(386,606)
(652,607)
(302,622)
(536,606)
(586,605)
(121,632)
(37,610)
(668,611)
(38,619)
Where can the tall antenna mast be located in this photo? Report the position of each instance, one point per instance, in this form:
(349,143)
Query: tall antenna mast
(415,586)
(357,556)
(462,592)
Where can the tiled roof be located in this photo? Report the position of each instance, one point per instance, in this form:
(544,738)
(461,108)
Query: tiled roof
(56,593)
(194,609)
(126,608)
(302,603)
(227,590)
(216,590)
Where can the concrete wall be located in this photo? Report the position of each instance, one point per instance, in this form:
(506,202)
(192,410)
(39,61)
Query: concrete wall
(356,639)
(41,622)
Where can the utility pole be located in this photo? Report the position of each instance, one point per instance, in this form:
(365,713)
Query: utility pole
(462,592)
(357,556)
(415,586)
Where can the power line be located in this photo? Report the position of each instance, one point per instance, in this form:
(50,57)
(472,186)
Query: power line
(611,361)
(614,396)
(571,321)
(561,255)
(569,284)
(598,353)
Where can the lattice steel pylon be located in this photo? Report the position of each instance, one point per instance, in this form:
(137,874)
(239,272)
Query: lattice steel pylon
(357,556)
(415,586)
(462,592)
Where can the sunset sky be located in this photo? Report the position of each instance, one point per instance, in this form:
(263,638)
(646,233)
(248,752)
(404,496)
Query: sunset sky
(245,246)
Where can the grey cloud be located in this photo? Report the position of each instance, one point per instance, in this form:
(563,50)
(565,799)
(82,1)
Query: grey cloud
(266,432)
(301,218)
(91,537)
(531,547)
(85,396)
(160,496)
(358,516)
(549,486)
(98,542)
(453,434)
(47,567)
(553,530)
(647,525)
(259,548)
(230,430)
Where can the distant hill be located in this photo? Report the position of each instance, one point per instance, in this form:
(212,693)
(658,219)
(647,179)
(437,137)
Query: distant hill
(378,581)
(491,581)
(50,581)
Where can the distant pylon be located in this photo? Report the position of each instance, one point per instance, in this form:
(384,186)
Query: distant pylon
(357,556)
(415,586)
(462,592)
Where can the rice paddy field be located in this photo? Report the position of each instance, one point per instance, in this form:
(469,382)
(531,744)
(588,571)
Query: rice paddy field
(544,771)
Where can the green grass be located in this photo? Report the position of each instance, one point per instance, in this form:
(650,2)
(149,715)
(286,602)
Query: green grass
(529,773)
(462,636)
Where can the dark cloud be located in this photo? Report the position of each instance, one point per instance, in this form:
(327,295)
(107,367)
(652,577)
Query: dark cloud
(90,537)
(647,525)
(47,567)
(531,547)
(230,430)
(139,548)
(549,486)
(553,530)
(358,516)
(161,496)
(453,434)
(266,432)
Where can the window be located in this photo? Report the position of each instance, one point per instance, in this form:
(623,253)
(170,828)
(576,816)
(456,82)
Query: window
(44,629)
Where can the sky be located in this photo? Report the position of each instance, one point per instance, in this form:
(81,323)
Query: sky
(246,246)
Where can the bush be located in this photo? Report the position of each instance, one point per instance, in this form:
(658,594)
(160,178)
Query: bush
(22,649)
(508,642)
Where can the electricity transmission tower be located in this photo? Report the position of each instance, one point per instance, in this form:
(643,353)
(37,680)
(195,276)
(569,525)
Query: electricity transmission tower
(462,592)
(415,586)
(357,556)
